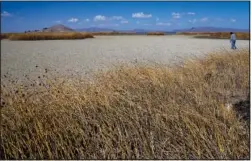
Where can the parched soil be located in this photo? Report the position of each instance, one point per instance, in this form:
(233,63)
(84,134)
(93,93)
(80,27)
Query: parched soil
(20,58)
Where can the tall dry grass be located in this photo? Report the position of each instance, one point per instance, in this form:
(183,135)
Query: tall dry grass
(190,33)
(155,33)
(50,36)
(6,35)
(130,112)
(217,35)
(225,35)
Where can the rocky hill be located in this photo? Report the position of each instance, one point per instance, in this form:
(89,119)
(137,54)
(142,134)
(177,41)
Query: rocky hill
(58,28)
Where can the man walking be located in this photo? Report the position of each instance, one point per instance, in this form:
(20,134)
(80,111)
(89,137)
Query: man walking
(233,40)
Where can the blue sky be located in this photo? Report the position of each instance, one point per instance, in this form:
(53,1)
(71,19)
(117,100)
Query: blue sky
(20,16)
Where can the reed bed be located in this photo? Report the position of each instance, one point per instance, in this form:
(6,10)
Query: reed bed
(217,35)
(239,35)
(50,36)
(192,33)
(155,33)
(6,35)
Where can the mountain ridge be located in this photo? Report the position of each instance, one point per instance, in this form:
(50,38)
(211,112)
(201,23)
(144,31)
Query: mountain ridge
(193,29)
(63,28)
(211,29)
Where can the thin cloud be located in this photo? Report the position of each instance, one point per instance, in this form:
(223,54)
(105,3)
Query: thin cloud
(124,21)
(110,25)
(204,19)
(58,21)
(192,21)
(141,15)
(104,18)
(163,24)
(87,20)
(138,22)
(219,19)
(117,18)
(157,19)
(191,13)
(6,14)
(147,24)
(101,24)
(73,20)
(233,20)
(176,15)
(99,18)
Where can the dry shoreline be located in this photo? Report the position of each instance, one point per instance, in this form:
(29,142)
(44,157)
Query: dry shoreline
(20,58)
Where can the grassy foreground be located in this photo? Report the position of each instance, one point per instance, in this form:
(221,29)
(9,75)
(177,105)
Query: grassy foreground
(131,112)
(46,36)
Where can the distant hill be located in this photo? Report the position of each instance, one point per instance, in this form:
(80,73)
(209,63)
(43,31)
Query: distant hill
(62,28)
(97,29)
(143,31)
(58,28)
(138,31)
(211,29)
